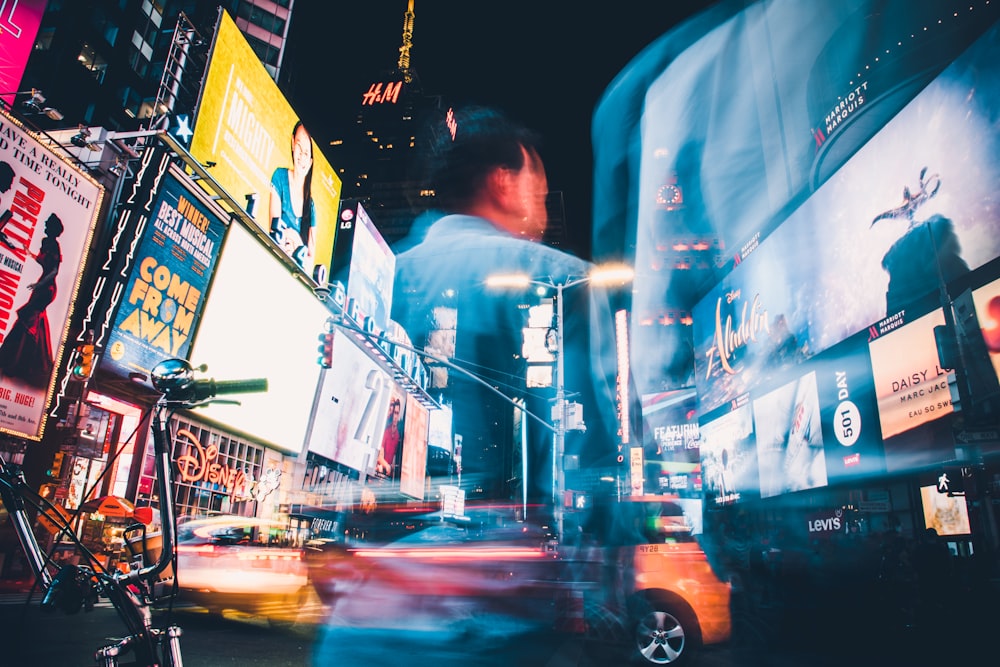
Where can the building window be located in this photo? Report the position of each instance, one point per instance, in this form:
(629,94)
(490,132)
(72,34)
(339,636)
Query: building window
(154,13)
(107,28)
(262,18)
(267,53)
(44,40)
(93,61)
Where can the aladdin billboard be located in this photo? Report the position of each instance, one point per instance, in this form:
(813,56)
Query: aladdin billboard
(902,219)
(250,138)
(48,209)
(827,150)
(857,259)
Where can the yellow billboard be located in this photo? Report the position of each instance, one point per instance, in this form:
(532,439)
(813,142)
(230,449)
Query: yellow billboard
(259,152)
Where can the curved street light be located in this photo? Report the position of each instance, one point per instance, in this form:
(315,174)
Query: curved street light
(603,275)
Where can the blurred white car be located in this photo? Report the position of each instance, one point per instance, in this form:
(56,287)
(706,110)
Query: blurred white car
(240,563)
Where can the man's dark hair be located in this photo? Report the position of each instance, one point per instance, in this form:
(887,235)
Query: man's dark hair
(484,139)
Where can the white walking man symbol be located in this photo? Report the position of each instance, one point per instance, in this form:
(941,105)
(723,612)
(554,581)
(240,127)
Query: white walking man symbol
(943,482)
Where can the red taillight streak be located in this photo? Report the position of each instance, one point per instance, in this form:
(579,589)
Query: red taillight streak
(453,554)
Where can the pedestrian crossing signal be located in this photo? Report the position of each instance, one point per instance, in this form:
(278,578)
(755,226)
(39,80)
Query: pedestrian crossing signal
(325,350)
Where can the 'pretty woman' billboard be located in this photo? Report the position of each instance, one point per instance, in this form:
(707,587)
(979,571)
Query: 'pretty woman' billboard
(48,210)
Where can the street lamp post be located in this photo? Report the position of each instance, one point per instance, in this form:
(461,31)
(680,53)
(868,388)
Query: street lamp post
(602,275)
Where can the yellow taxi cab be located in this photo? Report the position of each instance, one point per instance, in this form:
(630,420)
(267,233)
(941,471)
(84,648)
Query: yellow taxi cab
(658,591)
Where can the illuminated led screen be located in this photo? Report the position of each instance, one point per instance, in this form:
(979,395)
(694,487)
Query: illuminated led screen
(859,252)
(987,302)
(413,471)
(260,321)
(244,130)
(366,266)
(439,429)
(948,515)
(351,407)
(911,386)
(728,457)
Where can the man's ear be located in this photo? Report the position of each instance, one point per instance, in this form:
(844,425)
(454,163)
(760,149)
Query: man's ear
(499,185)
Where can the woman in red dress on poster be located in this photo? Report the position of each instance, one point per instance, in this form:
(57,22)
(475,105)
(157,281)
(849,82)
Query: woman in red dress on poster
(390,439)
(26,352)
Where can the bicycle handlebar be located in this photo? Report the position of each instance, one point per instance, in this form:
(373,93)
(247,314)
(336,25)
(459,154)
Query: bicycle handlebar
(174,379)
(203,390)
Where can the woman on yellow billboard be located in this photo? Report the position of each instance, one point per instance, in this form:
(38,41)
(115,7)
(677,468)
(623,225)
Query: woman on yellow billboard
(292,213)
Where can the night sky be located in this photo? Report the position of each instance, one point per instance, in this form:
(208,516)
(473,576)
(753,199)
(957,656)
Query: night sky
(546,62)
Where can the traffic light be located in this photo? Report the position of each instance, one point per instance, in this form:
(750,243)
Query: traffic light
(56,468)
(325,349)
(85,361)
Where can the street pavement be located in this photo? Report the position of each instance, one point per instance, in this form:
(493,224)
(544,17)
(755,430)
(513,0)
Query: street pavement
(30,637)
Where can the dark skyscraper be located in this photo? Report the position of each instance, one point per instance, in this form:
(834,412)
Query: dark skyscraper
(376,154)
(103,63)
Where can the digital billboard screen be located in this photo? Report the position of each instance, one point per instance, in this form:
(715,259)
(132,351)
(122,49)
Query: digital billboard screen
(413,470)
(171,268)
(260,321)
(352,403)
(848,410)
(19,22)
(48,212)
(913,208)
(728,455)
(789,436)
(670,426)
(671,442)
(387,462)
(948,515)
(807,427)
(910,384)
(987,303)
(439,428)
(249,134)
(364,264)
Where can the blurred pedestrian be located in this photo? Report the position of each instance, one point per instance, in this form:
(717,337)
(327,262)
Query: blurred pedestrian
(490,188)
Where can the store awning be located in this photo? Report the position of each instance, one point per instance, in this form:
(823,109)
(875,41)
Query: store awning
(110,506)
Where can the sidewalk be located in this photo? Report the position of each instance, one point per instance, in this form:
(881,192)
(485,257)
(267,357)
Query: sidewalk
(30,637)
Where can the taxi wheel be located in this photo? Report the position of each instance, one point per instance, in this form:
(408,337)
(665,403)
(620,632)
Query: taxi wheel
(663,632)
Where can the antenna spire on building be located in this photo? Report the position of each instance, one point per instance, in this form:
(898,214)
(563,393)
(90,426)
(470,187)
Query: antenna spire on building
(404,50)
